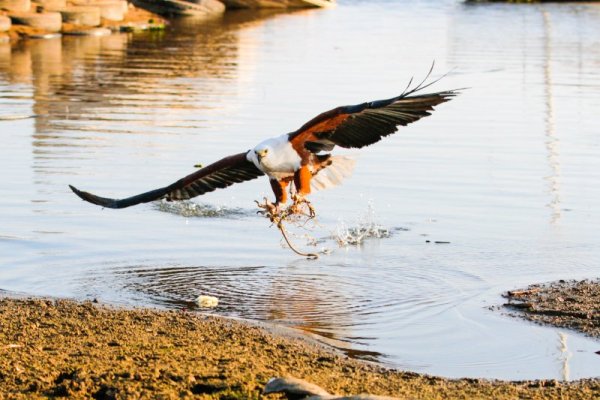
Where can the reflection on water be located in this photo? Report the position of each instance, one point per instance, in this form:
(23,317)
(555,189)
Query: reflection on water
(552,141)
(565,355)
(128,83)
(126,113)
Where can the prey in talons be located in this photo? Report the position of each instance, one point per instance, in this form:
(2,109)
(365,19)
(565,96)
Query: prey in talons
(301,206)
(277,212)
(269,209)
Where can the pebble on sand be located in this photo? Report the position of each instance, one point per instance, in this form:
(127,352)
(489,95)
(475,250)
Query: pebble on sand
(205,301)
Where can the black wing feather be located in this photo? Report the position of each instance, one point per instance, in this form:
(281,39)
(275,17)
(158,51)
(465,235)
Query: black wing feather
(219,175)
(368,123)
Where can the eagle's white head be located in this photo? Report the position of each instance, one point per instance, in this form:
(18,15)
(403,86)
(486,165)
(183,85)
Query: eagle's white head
(261,151)
(275,156)
(263,154)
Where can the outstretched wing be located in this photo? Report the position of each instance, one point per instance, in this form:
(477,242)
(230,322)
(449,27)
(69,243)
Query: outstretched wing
(219,175)
(364,124)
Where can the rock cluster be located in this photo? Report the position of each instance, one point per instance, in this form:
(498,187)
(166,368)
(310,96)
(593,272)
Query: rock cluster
(41,18)
(48,18)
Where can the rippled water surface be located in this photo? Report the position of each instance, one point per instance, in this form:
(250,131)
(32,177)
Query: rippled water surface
(507,173)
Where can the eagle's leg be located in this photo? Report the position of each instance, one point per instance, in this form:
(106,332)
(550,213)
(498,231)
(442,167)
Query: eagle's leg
(302,179)
(280,189)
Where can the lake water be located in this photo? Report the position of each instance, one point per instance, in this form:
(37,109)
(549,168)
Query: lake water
(508,173)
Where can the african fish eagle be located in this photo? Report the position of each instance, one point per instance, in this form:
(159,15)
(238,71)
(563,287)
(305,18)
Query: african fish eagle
(298,156)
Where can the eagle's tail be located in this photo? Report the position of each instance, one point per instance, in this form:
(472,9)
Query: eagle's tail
(339,167)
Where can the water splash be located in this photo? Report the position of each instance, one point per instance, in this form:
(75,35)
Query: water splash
(191,209)
(366,227)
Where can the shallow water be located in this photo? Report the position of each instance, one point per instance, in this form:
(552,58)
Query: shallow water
(507,173)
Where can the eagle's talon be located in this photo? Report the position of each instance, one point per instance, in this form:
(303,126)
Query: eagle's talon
(271,210)
(297,206)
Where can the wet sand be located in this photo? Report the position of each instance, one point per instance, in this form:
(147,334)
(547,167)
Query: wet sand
(568,304)
(64,348)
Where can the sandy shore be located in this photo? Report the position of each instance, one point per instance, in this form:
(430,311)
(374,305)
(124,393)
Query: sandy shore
(64,348)
(567,304)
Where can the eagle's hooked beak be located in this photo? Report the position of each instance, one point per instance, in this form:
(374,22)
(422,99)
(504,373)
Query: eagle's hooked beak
(260,154)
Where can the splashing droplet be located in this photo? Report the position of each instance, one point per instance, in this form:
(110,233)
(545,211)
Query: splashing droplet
(191,209)
(366,227)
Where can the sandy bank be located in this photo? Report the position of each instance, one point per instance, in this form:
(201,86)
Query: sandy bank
(64,348)
(567,304)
